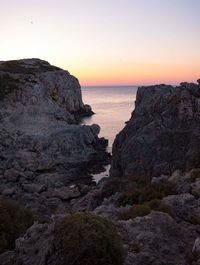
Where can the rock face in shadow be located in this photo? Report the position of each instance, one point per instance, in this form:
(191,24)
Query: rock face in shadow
(157,239)
(35,95)
(166,236)
(163,133)
(157,218)
(42,147)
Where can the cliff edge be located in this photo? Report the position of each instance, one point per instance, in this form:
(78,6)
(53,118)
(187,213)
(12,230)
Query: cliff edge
(43,149)
(163,133)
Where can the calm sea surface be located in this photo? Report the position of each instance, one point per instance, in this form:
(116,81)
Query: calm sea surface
(113,106)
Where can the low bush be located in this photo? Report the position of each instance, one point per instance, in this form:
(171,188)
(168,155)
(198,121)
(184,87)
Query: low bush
(139,194)
(136,210)
(14,221)
(144,209)
(194,174)
(15,66)
(114,185)
(87,239)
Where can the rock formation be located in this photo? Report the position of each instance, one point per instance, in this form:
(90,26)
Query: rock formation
(163,133)
(42,148)
(152,196)
(161,238)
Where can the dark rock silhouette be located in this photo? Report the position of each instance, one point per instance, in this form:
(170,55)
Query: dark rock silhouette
(43,149)
(163,133)
(154,206)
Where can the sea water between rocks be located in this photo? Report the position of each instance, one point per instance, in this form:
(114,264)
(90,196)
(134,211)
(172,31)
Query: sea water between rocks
(112,106)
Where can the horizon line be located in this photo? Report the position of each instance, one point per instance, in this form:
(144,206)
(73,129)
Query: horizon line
(131,85)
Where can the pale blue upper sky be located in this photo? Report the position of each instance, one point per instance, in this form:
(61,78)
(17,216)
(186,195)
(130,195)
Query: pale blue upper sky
(119,41)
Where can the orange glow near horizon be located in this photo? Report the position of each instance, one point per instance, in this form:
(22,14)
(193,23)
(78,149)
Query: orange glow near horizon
(138,74)
(129,42)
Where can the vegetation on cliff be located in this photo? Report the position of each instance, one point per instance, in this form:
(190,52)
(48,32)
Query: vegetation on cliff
(17,66)
(14,221)
(87,239)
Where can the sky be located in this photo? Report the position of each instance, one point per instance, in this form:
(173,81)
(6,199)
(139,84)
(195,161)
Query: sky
(106,42)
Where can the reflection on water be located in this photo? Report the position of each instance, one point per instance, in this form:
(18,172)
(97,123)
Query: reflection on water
(113,107)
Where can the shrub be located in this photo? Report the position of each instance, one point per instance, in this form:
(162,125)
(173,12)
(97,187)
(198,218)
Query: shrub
(14,221)
(125,185)
(113,185)
(87,239)
(17,66)
(139,194)
(144,209)
(194,174)
(136,210)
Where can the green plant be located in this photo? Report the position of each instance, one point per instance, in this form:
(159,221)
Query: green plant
(158,205)
(14,221)
(136,210)
(15,66)
(144,209)
(139,194)
(87,239)
(113,185)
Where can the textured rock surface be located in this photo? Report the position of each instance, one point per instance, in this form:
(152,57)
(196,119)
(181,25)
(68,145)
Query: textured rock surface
(153,239)
(157,239)
(39,95)
(33,248)
(42,147)
(163,134)
(161,138)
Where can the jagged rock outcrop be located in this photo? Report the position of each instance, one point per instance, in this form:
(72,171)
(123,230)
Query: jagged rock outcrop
(42,147)
(160,141)
(157,238)
(34,95)
(163,134)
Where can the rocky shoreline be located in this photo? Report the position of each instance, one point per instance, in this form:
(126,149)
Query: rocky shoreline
(43,149)
(152,195)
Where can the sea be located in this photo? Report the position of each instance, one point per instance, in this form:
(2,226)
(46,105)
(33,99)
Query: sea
(113,106)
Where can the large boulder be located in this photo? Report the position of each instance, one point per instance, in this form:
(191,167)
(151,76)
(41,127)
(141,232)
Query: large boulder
(157,239)
(163,134)
(42,145)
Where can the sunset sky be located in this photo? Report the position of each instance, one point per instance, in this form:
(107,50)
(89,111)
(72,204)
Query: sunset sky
(106,42)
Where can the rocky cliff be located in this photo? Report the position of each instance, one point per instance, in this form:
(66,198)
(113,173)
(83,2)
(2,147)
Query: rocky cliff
(156,213)
(163,133)
(39,95)
(42,148)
